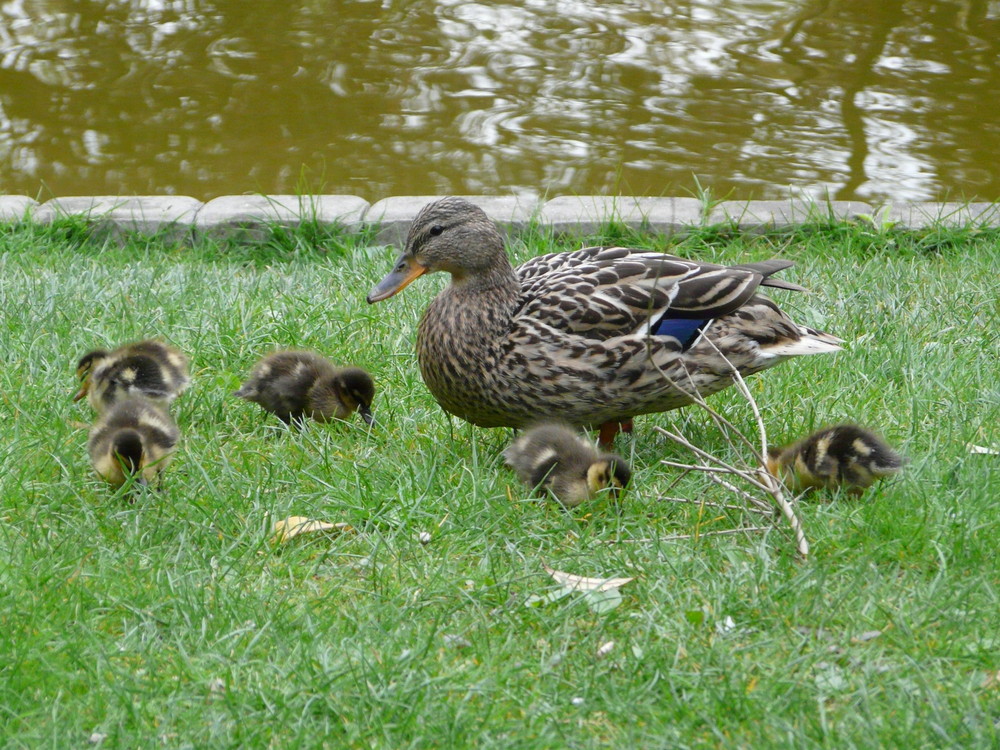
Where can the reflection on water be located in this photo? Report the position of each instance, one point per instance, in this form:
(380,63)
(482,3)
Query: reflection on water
(387,97)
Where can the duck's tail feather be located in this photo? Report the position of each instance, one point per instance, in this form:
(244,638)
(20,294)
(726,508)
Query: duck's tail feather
(768,267)
(810,341)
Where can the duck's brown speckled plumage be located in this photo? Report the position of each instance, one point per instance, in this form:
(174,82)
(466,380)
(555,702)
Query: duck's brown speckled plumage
(567,335)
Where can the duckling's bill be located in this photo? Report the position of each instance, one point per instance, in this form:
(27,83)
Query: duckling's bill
(366,414)
(403,273)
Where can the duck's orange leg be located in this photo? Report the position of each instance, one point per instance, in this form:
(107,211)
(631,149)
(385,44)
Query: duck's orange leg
(609,430)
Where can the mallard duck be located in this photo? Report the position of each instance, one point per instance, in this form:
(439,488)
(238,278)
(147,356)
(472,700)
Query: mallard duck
(133,436)
(595,336)
(294,385)
(148,368)
(844,455)
(557,459)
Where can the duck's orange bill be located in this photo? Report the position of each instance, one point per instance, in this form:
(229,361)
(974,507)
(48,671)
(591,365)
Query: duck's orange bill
(83,390)
(405,271)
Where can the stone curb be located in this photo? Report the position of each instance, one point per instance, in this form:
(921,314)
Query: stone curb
(586,214)
(252,216)
(756,215)
(169,215)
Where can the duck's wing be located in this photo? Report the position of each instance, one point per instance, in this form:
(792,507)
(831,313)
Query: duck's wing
(601,292)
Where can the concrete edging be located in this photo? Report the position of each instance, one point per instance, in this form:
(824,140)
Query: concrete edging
(250,216)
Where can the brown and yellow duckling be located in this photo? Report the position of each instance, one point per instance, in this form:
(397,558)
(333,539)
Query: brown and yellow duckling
(151,369)
(844,455)
(557,459)
(132,437)
(295,385)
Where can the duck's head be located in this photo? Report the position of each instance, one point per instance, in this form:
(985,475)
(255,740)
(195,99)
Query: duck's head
(87,363)
(356,391)
(608,472)
(451,235)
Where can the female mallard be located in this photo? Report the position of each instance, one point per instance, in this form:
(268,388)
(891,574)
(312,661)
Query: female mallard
(593,337)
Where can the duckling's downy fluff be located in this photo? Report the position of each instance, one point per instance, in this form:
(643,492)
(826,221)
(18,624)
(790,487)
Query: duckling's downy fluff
(151,369)
(132,436)
(295,385)
(843,455)
(596,336)
(556,458)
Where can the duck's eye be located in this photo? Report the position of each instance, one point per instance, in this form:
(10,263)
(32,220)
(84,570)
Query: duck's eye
(436,230)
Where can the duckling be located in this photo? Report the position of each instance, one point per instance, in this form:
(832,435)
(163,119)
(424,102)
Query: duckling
(133,436)
(294,385)
(148,368)
(556,458)
(844,455)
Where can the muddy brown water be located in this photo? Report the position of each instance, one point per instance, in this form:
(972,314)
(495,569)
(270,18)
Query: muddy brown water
(846,98)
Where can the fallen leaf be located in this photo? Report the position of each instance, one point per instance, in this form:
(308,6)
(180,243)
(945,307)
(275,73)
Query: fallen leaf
(291,527)
(992,680)
(983,449)
(604,649)
(868,635)
(536,600)
(695,616)
(724,626)
(600,602)
(582,583)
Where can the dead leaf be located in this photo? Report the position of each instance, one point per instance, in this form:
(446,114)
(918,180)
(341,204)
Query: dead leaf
(582,583)
(868,635)
(992,680)
(983,449)
(291,527)
(604,649)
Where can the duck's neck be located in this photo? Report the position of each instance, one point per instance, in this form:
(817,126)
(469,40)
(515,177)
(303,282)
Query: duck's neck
(474,311)
(498,282)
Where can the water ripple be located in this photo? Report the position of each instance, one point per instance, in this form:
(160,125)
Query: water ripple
(205,97)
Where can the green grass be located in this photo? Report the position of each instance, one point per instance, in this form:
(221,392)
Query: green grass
(175,622)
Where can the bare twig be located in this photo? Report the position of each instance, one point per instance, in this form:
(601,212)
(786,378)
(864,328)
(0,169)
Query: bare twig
(757,477)
(762,505)
(710,504)
(677,537)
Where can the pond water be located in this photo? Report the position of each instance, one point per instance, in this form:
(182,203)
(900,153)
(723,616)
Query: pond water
(847,98)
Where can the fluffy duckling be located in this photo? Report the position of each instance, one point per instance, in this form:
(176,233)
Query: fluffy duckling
(844,455)
(564,463)
(133,436)
(151,369)
(294,385)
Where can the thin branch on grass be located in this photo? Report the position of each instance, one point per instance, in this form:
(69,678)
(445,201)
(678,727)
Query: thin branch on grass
(678,537)
(709,504)
(757,476)
(761,504)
